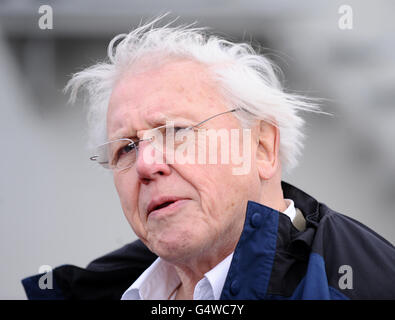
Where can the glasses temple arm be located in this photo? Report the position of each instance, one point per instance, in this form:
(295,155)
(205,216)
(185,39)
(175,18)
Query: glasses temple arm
(219,114)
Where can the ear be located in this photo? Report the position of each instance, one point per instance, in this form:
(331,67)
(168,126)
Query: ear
(267,152)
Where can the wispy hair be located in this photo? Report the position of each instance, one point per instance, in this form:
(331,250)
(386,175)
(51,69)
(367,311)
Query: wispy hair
(246,79)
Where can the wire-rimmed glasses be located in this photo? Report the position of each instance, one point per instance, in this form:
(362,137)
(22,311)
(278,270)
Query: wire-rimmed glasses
(122,153)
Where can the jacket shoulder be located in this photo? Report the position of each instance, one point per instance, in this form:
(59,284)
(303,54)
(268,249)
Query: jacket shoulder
(106,277)
(359,262)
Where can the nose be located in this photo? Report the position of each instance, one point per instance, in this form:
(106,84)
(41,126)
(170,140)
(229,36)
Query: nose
(150,163)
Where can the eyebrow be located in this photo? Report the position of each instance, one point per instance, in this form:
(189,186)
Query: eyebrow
(154,123)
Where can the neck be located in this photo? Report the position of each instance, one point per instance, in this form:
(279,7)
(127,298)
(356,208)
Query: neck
(189,278)
(185,292)
(191,272)
(272,195)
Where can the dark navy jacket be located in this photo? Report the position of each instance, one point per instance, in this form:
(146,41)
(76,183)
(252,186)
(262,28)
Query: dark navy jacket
(333,257)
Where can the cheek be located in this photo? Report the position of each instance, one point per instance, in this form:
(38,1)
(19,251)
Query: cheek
(127,191)
(226,192)
(212,184)
(124,190)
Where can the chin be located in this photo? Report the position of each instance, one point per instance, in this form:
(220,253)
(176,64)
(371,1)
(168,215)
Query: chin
(175,247)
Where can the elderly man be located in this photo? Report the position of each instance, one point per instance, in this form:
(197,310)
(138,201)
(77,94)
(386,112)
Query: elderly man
(216,217)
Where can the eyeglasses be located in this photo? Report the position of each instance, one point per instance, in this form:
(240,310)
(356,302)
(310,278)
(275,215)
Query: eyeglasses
(122,154)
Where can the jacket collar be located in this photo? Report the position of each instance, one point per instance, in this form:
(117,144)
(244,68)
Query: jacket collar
(265,231)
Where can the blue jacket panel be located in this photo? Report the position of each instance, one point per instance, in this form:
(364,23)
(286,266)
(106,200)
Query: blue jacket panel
(253,263)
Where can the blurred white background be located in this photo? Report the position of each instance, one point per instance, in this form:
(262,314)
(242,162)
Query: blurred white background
(56,207)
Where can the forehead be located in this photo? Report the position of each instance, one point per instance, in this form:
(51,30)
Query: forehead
(176,89)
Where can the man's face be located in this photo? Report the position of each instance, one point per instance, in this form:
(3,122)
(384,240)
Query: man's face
(204,204)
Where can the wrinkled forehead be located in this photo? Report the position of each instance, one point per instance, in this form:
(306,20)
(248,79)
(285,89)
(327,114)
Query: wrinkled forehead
(182,89)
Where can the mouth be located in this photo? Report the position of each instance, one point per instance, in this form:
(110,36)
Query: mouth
(163,204)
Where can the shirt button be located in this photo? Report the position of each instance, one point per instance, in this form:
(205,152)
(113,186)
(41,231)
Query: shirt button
(235,287)
(256,220)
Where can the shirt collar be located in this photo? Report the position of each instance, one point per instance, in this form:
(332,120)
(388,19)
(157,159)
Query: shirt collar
(160,280)
(155,283)
(290,211)
(210,287)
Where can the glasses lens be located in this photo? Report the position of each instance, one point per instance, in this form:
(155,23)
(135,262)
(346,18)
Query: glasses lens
(167,139)
(119,154)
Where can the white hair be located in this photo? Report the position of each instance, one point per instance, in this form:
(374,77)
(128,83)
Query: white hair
(246,79)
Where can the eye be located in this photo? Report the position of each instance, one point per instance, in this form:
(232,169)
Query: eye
(126,149)
(177,129)
(166,130)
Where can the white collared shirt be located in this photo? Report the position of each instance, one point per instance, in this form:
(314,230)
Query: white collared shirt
(160,280)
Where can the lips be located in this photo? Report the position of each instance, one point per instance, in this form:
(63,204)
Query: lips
(161,203)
